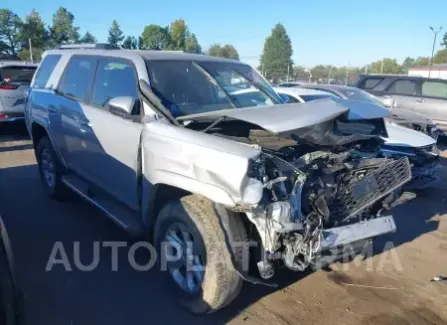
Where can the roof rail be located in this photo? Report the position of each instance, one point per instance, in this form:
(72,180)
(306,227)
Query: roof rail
(97,46)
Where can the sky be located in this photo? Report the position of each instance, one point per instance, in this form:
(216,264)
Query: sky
(337,32)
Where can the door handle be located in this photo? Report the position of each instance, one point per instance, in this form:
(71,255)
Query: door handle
(420,100)
(84,123)
(52,109)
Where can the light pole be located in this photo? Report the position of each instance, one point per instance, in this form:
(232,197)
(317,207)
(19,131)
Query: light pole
(435,32)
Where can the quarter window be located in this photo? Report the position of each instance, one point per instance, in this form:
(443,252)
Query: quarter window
(78,78)
(404,87)
(114,78)
(45,69)
(370,83)
(434,89)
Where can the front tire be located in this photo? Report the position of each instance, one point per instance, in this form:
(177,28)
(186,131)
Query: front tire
(50,170)
(196,219)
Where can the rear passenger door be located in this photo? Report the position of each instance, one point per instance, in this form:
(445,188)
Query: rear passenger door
(403,93)
(67,112)
(111,141)
(433,101)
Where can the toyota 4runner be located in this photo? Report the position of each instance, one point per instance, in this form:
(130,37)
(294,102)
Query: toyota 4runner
(201,155)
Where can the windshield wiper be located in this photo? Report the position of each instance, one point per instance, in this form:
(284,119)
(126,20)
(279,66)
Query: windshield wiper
(215,82)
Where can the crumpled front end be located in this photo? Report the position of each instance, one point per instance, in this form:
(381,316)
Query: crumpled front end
(425,163)
(323,200)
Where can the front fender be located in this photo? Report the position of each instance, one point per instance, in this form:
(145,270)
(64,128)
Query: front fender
(199,163)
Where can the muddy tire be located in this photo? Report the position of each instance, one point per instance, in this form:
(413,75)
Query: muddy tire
(221,283)
(50,170)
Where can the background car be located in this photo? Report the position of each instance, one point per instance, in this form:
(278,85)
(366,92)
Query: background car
(401,116)
(420,148)
(15,78)
(423,95)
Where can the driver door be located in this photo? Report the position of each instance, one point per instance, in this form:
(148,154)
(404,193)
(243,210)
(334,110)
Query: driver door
(112,141)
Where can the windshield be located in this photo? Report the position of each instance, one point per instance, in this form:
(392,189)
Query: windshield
(17,74)
(192,87)
(357,94)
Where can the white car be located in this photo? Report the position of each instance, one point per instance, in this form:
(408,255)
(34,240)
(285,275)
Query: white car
(15,78)
(420,148)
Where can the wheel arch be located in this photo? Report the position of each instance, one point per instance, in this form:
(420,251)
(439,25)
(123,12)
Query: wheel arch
(38,131)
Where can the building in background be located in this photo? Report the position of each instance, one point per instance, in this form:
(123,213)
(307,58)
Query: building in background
(437,71)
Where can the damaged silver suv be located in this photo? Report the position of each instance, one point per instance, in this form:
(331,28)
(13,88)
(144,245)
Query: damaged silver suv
(200,155)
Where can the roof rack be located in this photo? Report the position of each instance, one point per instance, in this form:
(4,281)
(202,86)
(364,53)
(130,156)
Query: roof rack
(97,46)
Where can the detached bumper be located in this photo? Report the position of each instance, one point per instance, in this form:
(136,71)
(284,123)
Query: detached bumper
(346,235)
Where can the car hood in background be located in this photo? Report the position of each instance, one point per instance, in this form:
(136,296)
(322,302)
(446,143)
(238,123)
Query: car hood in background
(405,137)
(288,117)
(402,115)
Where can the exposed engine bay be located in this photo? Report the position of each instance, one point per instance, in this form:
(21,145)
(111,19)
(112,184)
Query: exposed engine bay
(310,187)
(323,189)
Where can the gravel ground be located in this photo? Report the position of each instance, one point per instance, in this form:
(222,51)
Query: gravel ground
(391,287)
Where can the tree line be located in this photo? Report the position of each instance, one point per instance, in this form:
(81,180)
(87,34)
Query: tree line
(17,35)
(276,62)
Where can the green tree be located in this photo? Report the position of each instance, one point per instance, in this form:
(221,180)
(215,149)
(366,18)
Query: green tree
(408,63)
(440,57)
(130,43)
(10,26)
(300,72)
(192,44)
(444,40)
(34,30)
(155,37)
(422,61)
(178,32)
(276,58)
(63,30)
(226,51)
(88,38)
(385,65)
(25,54)
(115,35)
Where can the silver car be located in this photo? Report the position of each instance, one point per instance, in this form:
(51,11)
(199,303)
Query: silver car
(202,156)
(15,78)
(427,96)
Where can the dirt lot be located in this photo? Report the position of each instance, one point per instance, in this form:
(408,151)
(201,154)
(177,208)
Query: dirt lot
(390,287)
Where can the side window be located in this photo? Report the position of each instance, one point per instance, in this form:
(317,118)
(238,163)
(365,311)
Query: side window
(292,100)
(434,89)
(370,83)
(78,78)
(403,87)
(114,78)
(45,69)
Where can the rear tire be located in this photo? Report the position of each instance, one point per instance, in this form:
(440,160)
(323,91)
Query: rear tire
(221,281)
(50,170)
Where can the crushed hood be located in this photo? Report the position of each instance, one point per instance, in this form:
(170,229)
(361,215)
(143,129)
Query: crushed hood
(405,137)
(288,117)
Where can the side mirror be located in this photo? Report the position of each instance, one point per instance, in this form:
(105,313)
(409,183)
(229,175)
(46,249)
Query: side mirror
(122,106)
(284,98)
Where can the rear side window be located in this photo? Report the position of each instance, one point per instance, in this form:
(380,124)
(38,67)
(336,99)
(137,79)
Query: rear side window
(403,87)
(114,78)
(434,89)
(370,83)
(19,74)
(292,99)
(78,79)
(45,70)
